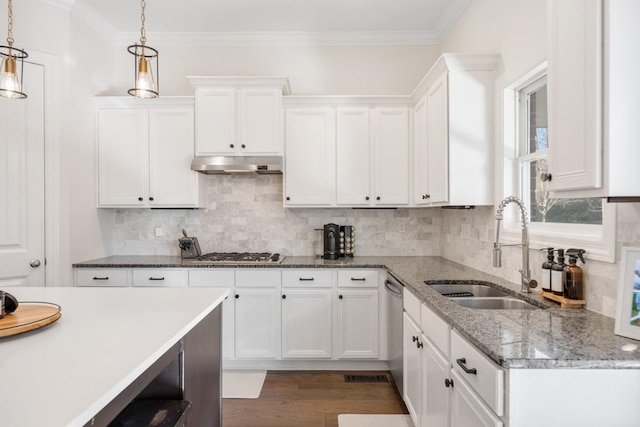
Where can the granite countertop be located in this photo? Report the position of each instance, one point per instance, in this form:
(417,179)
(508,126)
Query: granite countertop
(553,337)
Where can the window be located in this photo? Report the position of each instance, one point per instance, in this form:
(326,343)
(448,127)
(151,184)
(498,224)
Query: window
(560,223)
(533,146)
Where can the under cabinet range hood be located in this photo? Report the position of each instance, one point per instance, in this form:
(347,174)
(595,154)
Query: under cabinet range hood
(237,164)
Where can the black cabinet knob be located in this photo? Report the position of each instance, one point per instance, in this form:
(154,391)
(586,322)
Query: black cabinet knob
(284,297)
(424,197)
(545,177)
(237,296)
(288,198)
(448,383)
(366,198)
(243,146)
(231,145)
(378,198)
(140,199)
(339,296)
(428,196)
(151,199)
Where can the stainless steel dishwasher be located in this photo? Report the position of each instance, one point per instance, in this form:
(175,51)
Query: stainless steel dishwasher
(394,328)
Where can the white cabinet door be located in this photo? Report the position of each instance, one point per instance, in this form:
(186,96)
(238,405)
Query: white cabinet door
(575,94)
(358,324)
(123,157)
(420,156)
(156,277)
(260,121)
(257,322)
(437,128)
(411,368)
(435,393)
(171,180)
(216,121)
(310,156)
(391,156)
(306,323)
(353,168)
(467,409)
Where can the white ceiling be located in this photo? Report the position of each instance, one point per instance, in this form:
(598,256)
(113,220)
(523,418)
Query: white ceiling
(278,21)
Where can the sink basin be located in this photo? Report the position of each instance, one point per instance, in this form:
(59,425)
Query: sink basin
(468,290)
(494,303)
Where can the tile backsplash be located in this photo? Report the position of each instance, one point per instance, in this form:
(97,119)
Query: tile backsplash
(245,213)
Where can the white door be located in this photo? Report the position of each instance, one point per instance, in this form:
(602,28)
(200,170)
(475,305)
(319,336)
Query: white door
(411,377)
(257,323)
(260,120)
(216,121)
(352,156)
(436,386)
(358,324)
(391,156)
(438,141)
(22,216)
(421,156)
(306,323)
(467,409)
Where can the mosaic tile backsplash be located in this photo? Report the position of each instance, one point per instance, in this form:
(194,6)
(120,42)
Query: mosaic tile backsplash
(245,213)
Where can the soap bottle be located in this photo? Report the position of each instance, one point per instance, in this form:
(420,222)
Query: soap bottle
(557,287)
(572,274)
(546,270)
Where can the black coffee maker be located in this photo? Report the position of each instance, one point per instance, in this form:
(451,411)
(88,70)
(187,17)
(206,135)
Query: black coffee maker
(331,238)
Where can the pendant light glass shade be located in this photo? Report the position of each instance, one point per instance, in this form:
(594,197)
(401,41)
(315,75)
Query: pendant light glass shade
(11,69)
(145,65)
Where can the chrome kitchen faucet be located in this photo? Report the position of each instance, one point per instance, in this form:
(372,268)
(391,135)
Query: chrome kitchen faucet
(527,283)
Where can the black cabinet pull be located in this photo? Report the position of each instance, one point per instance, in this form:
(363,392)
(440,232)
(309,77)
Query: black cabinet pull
(545,177)
(231,145)
(448,383)
(461,362)
(243,146)
(101,278)
(151,199)
(284,297)
(237,296)
(156,278)
(339,296)
(414,338)
(140,199)
(428,196)
(378,198)
(419,344)
(366,198)
(424,197)
(358,279)
(306,279)
(288,198)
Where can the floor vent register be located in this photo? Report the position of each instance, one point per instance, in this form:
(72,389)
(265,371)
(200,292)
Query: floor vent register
(366,379)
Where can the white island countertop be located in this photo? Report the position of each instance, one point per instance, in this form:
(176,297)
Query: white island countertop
(65,373)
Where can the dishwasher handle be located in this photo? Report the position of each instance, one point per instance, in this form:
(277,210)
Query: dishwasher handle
(392,287)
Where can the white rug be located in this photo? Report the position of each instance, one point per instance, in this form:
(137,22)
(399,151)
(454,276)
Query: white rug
(367,420)
(242,384)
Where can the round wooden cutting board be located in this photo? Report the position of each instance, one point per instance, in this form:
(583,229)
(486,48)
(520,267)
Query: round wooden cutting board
(29,316)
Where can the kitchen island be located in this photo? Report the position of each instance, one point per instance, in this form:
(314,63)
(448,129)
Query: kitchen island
(110,346)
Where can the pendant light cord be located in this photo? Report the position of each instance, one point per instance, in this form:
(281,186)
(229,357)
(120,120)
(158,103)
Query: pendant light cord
(10,25)
(143,36)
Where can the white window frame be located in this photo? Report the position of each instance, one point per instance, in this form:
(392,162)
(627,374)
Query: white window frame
(598,240)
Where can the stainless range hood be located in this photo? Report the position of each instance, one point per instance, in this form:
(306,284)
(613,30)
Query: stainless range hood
(237,164)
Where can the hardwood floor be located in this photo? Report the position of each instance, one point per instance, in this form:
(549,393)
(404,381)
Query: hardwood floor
(311,399)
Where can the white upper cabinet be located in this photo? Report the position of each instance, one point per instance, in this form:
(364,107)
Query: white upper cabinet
(593,102)
(575,94)
(353,159)
(309,176)
(144,153)
(239,115)
(453,132)
(391,156)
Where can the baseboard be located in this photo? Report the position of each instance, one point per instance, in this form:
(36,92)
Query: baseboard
(308,365)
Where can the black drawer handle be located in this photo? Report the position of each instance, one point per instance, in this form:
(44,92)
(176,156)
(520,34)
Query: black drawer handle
(419,344)
(414,338)
(358,279)
(156,278)
(448,383)
(307,279)
(101,278)
(461,362)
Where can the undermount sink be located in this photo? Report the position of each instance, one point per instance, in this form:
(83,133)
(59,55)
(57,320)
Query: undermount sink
(494,303)
(467,290)
(480,296)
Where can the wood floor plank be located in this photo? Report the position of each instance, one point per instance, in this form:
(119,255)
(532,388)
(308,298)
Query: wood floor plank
(312,399)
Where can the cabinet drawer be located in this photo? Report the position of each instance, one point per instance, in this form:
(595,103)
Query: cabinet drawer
(306,278)
(258,277)
(213,278)
(488,378)
(411,305)
(102,277)
(160,277)
(358,279)
(436,329)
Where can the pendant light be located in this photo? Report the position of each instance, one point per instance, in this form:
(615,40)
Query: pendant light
(11,69)
(145,65)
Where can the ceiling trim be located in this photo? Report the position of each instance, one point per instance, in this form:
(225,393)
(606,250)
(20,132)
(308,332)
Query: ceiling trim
(283,38)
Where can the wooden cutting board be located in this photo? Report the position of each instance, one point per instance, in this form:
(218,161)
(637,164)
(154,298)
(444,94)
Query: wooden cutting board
(29,316)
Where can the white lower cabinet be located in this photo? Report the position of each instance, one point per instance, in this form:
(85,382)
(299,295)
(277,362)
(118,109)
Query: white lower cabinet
(257,321)
(306,324)
(436,385)
(411,367)
(467,409)
(169,277)
(112,277)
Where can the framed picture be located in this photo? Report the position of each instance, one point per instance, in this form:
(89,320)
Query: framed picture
(628,313)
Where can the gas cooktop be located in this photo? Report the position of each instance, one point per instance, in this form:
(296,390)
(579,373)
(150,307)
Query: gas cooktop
(237,258)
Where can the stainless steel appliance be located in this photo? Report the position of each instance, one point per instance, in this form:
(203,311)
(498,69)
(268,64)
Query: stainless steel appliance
(237,164)
(189,246)
(237,258)
(394,328)
(331,236)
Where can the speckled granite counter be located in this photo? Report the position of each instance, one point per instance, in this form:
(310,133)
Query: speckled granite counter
(549,338)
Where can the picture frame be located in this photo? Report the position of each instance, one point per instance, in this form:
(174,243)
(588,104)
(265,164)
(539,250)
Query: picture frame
(628,312)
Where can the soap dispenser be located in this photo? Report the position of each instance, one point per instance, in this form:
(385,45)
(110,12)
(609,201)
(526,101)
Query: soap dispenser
(572,275)
(546,270)
(557,287)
